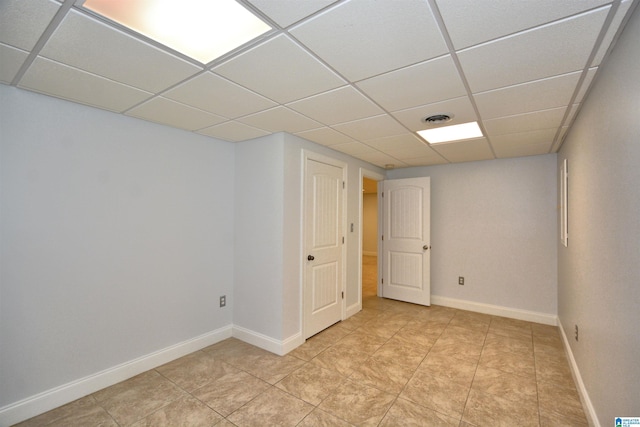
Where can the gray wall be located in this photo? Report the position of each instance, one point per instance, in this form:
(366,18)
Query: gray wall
(494,222)
(117,239)
(599,271)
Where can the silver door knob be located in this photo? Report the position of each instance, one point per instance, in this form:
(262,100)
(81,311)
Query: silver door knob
(311,258)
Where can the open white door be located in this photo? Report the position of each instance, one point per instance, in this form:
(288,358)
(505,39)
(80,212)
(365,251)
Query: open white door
(406,240)
(323,257)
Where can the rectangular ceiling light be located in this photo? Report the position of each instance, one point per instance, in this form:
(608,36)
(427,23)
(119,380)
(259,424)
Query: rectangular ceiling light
(451,133)
(201,29)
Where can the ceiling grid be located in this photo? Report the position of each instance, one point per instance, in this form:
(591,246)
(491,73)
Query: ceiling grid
(358,76)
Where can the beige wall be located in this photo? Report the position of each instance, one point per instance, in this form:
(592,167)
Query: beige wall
(370,224)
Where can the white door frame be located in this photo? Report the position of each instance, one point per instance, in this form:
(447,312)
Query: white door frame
(306,156)
(366,173)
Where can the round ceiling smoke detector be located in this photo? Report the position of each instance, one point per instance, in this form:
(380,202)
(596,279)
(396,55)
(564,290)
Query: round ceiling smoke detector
(438,119)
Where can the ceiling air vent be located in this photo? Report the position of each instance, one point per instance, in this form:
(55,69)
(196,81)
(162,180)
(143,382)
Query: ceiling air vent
(438,119)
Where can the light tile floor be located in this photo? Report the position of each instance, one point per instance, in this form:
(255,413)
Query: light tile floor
(392,364)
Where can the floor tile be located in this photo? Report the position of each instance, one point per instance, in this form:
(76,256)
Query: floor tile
(310,349)
(449,368)
(452,347)
(272,368)
(483,409)
(194,370)
(358,404)
(400,351)
(80,413)
(383,374)
(341,359)
(134,399)
(311,383)
(406,413)
(391,364)
(517,344)
(230,392)
(419,336)
(186,412)
(320,418)
(503,384)
(522,364)
(558,401)
(364,342)
(271,408)
(436,393)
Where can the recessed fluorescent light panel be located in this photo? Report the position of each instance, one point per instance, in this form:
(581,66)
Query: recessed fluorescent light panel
(201,29)
(451,133)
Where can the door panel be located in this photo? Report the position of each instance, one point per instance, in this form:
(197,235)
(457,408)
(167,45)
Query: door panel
(323,273)
(406,240)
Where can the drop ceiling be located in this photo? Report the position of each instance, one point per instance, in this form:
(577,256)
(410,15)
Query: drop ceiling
(355,75)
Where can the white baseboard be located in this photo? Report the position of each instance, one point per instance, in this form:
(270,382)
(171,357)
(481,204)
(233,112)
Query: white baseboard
(592,417)
(353,309)
(267,343)
(496,310)
(50,399)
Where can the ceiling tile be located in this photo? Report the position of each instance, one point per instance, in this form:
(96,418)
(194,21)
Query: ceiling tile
(168,112)
(337,106)
(526,56)
(11,59)
(280,119)
(623,9)
(381,159)
(371,128)
(23,22)
(503,17)
(461,109)
(405,147)
(287,12)
(90,45)
(544,136)
(420,84)
(233,131)
(465,151)
(425,161)
(527,97)
(325,136)
(545,119)
(522,150)
(280,70)
(66,82)
(353,148)
(405,141)
(217,95)
(361,39)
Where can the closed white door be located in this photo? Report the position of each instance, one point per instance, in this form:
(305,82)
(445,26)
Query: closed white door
(324,243)
(406,240)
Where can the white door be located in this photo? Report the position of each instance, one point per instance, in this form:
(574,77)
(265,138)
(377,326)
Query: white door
(323,274)
(406,240)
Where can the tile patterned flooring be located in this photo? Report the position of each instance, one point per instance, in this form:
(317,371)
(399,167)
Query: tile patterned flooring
(392,364)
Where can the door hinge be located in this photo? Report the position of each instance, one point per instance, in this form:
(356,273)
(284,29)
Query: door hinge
(343,240)
(383,237)
(383,194)
(382,281)
(342,294)
(343,185)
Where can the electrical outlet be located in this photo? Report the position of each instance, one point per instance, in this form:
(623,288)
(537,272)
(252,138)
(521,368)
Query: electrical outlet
(576,332)
(223,300)
(460,280)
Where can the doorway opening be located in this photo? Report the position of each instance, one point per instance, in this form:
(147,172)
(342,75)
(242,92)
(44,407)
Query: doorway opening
(369,259)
